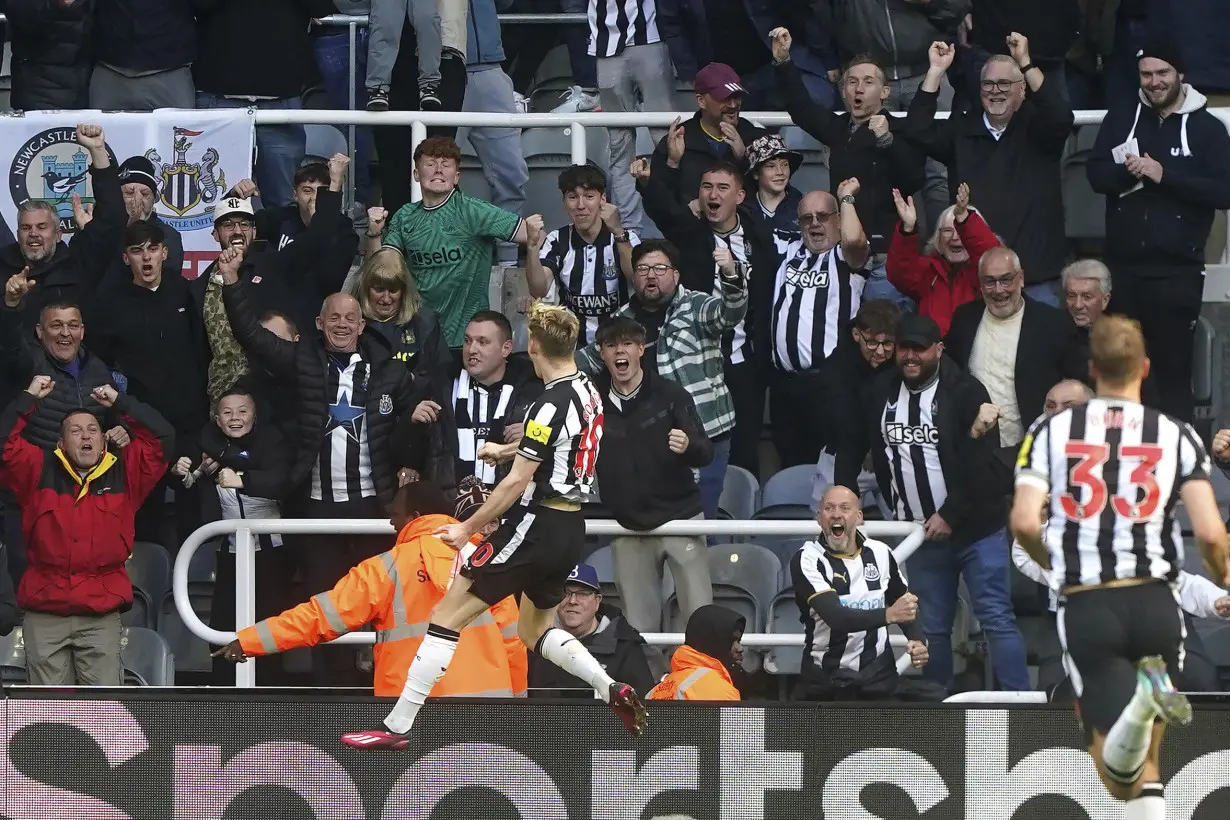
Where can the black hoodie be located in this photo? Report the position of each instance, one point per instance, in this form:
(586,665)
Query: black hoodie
(261,457)
(712,631)
(615,644)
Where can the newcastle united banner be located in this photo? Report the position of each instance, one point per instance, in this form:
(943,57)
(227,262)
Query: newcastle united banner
(183,754)
(197,156)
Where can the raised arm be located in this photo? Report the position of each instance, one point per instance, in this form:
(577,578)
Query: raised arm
(275,354)
(855,248)
(814,118)
(922,128)
(21,466)
(719,314)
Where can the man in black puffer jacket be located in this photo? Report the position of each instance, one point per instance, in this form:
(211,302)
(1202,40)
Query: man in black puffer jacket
(351,393)
(51,53)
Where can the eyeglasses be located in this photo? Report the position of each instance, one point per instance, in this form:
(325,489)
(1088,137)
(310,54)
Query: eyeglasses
(580,594)
(1004,282)
(817,217)
(231,224)
(999,85)
(878,344)
(653,270)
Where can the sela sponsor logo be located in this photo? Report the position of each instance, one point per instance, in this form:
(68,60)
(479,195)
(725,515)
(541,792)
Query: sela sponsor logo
(51,166)
(188,189)
(807,278)
(444,256)
(903,434)
(593,304)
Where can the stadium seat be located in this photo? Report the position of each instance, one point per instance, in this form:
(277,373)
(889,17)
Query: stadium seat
(149,568)
(812,176)
(146,657)
(324,140)
(13,658)
(1084,210)
(1206,379)
(792,485)
(784,546)
(784,620)
(740,493)
(812,149)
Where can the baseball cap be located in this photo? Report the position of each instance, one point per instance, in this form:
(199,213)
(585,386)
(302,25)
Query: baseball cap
(139,169)
(233,205)
(470,496)
(586,576)
(917,331)
(719,81)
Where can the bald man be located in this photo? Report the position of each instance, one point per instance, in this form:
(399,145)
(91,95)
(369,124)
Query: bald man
(849,589)
(349,395)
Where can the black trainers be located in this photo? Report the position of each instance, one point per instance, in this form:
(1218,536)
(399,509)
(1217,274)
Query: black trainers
(378,98)
(429,95)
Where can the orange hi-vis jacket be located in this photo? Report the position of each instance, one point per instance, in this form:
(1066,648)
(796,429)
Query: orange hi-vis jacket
(695,676)
(395,592)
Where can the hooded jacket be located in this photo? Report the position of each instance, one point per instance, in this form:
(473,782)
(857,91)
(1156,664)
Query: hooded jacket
(395,592)
(615,644)
(306,364)
(261,458)
(78,530)
(700,669)
(51,53)
(1162,223)
(897,33)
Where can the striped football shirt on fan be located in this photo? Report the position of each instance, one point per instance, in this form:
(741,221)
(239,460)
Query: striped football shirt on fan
(616,24)
(480,411)
(343,471)
(590,281)
(736,243)
(1114,469)
(815,297)
(911,443)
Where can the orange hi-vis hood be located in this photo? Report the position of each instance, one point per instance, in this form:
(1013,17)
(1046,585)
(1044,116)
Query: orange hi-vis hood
(396,592)
(695,676)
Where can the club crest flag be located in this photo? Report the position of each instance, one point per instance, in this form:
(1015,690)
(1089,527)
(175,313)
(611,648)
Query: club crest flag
(197,156)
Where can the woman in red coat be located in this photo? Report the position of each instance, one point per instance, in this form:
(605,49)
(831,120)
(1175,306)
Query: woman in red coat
(945,274)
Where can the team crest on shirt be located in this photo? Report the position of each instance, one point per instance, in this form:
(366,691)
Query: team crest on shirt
(872,573)
(386,404)
(610,273)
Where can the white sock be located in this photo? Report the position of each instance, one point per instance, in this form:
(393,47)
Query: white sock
(1151,805)
(429,665)
(1127,742)
(568,654)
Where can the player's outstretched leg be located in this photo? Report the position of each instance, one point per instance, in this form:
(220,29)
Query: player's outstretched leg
(1127,744)
(566,652)
(1170,704)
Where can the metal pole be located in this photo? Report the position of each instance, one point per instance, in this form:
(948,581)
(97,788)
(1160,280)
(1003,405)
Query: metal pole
(245,598)
(578,143)
(418,133)
(350,136)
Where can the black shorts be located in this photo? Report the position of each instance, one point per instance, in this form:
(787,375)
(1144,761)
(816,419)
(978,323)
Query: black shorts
(533,552)
(1104,632)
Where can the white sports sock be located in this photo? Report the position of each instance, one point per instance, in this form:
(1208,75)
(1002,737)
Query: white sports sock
(1151,805)
(1127,742)
(568,654)
(429,665)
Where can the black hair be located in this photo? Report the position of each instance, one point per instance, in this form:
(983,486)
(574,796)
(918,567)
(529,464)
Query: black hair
(142,231)
(498,318)
(649,246)
(587,176)
(620,329)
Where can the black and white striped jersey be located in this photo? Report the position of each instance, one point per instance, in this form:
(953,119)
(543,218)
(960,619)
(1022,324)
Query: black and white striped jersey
(815,297)
(481,412)
(616,24)
(736,243)
(911,443)
(868,580)
(563,429)
(588,277)
(343,471)
(1113,469)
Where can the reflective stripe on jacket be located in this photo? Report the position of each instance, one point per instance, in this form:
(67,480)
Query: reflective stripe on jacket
(395,592)
(695,676)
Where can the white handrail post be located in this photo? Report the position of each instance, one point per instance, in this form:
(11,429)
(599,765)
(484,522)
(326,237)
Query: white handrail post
(578,143)
(418,133)
(245,598)
(350,129)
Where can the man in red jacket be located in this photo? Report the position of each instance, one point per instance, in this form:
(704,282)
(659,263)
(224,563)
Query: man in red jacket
(77,506)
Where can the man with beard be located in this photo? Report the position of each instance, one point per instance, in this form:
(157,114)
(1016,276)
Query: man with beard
(864,144)
(715,132)
(57,272)
(724,222)
(1163,162)
(1008,152)
(918,428)
(1086,293)
(849,589)
(139,186)
(813,297)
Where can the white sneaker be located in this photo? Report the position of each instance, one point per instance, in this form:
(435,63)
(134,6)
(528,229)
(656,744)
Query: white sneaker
(577,99)
(522,103)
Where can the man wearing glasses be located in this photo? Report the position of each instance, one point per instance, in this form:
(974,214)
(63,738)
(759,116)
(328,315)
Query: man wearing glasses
(1008,153)
(683,342)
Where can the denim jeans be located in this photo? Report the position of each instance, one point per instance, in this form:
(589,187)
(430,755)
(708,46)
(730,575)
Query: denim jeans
(489,90)
(935,572)
(333,62)
(878,286)
(584,65)
(279,148)
(713,478)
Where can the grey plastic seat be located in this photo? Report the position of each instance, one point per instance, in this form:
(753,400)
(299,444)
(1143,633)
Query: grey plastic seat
(146,658)
(792,485)
(1206,380)
(190,652)
(547,147)
(740,493)
(149,568)
(13,658)
(784,620)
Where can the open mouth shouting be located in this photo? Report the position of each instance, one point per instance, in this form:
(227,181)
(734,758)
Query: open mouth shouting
(621,365)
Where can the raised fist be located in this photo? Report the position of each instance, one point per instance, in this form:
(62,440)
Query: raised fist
(228,264)
(640,168)
(91,137)
(41,386)
(376,217)
(244,189)
(724,260)
(780,41)
(105,395)
(878,124)
(337,167)
(848,188)
(941,55)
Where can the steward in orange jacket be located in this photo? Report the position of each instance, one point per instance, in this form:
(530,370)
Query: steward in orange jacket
(700,669)
(396,592)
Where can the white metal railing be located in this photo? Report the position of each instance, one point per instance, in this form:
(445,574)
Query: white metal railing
(1006,698)
(245,575)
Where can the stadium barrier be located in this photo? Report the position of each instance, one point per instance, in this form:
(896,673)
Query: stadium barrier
(209,754)
(244,531)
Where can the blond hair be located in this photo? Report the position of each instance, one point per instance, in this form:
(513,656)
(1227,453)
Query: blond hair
(386,268)
(554,329)
(1117,349)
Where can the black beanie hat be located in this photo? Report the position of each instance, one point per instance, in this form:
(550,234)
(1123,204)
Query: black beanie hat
(1161,46)
(139,169)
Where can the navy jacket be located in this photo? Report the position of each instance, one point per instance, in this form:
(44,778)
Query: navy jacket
(1166,223)
(145,35)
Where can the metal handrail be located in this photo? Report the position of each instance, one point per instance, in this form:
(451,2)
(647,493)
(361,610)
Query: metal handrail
(556,18)
(245,558)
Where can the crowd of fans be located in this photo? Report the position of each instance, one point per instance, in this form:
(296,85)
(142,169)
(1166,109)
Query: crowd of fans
(905,327)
